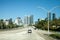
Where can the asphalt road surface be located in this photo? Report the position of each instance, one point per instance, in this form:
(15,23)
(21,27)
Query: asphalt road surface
(22,34)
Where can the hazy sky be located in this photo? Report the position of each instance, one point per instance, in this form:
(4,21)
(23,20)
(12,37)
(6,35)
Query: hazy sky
(20,8)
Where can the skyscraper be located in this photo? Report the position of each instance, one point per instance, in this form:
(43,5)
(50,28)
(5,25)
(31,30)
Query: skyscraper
(10,21)
(49,15)
(53,16)
(18,21)
(31,20)
(28,20)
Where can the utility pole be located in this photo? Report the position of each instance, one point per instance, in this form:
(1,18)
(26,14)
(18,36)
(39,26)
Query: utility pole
(48,23)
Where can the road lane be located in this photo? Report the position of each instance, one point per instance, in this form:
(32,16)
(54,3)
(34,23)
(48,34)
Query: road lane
(20,35)
(23,35)
(34,36)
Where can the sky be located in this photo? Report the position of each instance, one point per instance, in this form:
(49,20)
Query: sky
(20,8)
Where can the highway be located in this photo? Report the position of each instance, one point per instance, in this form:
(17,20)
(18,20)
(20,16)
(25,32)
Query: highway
(22,34)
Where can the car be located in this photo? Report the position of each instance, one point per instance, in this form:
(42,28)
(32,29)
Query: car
(29,31)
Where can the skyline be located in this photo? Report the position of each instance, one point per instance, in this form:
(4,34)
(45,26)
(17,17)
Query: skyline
(20,8)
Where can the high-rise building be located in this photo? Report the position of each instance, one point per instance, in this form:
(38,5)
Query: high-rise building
(28,20)
(10,21)
(53,16)
(31,19)
(49,16)
(18,21)
(46,19)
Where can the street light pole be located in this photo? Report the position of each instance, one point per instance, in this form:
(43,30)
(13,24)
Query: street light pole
(48,23)
(49,14)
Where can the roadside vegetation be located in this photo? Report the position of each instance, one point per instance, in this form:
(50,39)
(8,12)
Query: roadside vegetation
(54,25)
(9,26)
(56,36)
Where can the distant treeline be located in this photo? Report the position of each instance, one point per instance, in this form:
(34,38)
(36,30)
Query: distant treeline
(10,25)
(53,24)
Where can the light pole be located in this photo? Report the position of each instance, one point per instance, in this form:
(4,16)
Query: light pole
(48,22)
(49,14)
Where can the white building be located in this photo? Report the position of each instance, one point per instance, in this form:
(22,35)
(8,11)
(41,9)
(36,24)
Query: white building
(25,20)
(6,22)
(28,20)
(18,21)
